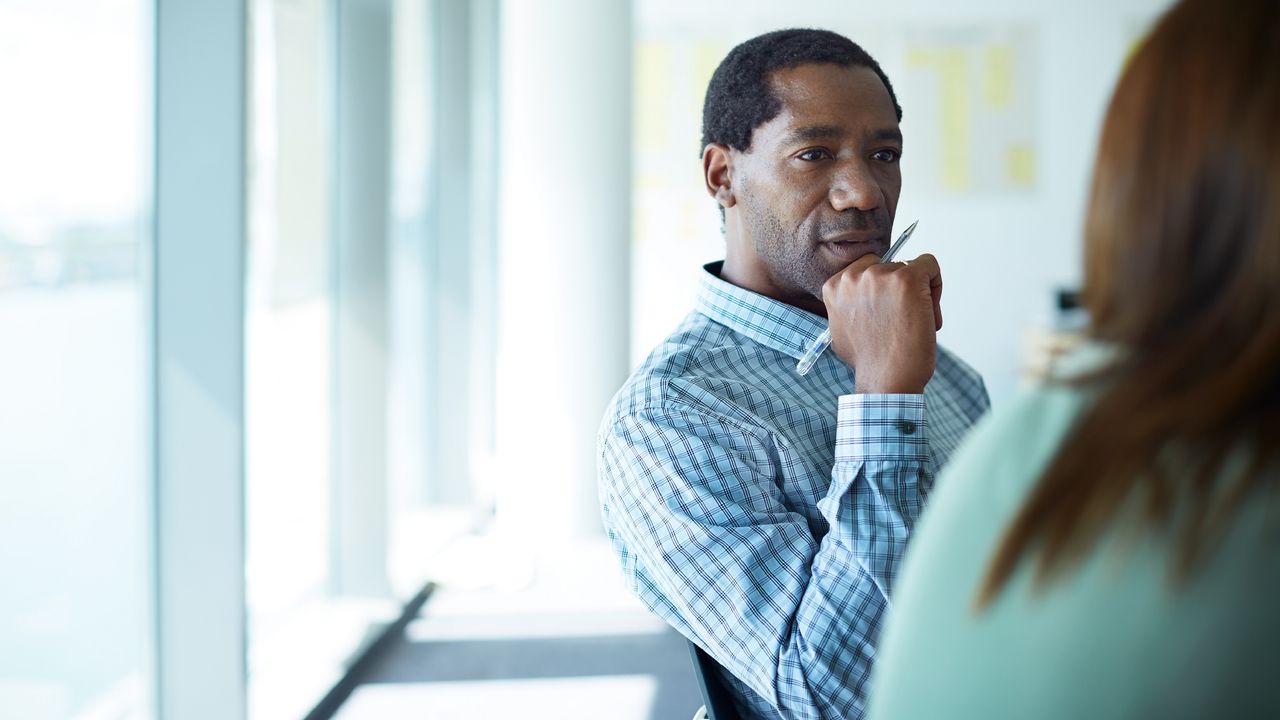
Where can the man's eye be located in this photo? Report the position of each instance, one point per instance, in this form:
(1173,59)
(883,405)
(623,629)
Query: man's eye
(887,155)
(815,154)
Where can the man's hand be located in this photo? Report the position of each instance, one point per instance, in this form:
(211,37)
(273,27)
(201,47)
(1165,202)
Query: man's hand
(884,320)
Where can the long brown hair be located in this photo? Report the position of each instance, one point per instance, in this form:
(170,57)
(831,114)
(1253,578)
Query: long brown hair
(1182,274)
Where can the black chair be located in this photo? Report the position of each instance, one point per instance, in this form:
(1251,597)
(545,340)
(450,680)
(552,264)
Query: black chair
(717,703)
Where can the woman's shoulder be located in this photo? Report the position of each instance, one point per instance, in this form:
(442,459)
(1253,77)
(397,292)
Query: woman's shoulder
(1008,448)
(995,467)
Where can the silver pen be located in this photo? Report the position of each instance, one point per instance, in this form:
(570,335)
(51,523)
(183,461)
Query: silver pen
(819,346)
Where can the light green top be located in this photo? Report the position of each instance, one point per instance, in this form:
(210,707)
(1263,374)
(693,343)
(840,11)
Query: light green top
(1112,640)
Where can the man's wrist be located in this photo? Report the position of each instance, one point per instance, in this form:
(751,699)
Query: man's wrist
(887,388)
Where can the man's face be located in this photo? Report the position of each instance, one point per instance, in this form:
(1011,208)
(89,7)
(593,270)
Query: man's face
(819,187)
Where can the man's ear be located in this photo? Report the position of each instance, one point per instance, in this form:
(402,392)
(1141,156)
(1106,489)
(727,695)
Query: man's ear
(717,171)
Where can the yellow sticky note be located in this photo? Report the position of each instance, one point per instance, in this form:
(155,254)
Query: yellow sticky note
(649,181)
(1020,166)
(956,118)
(919,57)
(998,79)
(1134,46)
(652,73)
(706,58)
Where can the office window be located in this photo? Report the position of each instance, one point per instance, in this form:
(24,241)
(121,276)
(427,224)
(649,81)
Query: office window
(75,498)
(288,339)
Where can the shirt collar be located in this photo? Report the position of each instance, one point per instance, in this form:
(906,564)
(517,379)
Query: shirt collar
(769,322)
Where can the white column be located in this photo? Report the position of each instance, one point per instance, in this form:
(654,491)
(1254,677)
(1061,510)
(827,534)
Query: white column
(360,286)
(564,245)
(483,136)
(454,245)
(199,359)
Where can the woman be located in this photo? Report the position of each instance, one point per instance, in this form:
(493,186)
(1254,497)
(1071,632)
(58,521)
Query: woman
(1108,546)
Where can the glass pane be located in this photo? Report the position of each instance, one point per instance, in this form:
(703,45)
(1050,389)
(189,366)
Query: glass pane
(75,499)
(440,288)
(287,349)
(414,442)
(288,307)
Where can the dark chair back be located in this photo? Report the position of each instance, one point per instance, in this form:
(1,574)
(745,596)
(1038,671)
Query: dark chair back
(715,696)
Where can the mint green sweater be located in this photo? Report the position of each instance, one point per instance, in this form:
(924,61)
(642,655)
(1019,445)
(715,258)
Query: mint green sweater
(1113,639)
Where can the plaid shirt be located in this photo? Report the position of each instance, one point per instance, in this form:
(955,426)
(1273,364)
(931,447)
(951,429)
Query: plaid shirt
(763,513)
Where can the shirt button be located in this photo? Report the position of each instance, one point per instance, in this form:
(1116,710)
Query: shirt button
(907,427)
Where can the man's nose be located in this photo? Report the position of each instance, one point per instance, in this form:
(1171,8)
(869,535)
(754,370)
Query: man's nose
(854,186)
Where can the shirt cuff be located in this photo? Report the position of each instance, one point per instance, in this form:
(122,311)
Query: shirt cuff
(881,427)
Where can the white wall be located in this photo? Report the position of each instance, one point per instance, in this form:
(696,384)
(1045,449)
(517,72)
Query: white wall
(1004,244)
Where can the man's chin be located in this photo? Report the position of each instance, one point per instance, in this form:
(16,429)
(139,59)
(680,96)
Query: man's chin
(814,287)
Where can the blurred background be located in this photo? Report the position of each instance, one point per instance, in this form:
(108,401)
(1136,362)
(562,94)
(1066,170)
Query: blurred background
(309,310)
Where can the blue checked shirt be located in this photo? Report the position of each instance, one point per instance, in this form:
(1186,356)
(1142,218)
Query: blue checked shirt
(763,513)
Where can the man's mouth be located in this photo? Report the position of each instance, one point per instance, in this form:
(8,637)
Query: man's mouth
(847,247)
(856,236)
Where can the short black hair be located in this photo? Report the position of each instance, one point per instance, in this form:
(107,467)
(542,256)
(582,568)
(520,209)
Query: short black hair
(740,97)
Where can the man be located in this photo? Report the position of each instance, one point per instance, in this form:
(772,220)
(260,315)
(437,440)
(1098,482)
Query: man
(761,512)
